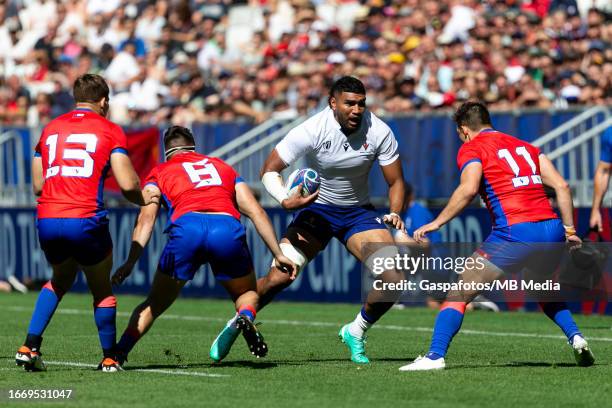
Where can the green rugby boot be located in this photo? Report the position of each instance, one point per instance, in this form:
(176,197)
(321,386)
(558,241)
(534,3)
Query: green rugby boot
(224,341)
(356,345)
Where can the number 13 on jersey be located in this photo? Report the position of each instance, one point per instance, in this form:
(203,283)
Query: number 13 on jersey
(520,181)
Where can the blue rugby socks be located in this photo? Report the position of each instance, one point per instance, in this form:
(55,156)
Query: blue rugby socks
(105,313)
(128,340)
(558,313)
(248,311)
(47,302)
(447,324)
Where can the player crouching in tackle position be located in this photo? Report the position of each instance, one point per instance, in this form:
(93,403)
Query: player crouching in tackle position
(341,143)
(205,197)
(72,158)
(509,174)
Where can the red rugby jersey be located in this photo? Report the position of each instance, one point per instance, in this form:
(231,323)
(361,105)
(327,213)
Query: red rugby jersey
(195,182)
(511,186)
(75,149)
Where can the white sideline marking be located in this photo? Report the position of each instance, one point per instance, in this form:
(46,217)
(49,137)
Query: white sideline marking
(142,370)
(326,324)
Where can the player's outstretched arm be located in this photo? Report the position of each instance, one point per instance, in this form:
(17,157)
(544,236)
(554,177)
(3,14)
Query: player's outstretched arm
(394,177)
(248,205)
(37,176)
(552,178)
(462,196)
(140,237)
(600,186)
(128,180)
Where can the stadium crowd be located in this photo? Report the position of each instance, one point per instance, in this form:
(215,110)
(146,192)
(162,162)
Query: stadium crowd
(185,61)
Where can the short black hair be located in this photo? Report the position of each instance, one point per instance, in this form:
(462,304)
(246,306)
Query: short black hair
(178,136)
(347,84)
(474,115)
(90,88)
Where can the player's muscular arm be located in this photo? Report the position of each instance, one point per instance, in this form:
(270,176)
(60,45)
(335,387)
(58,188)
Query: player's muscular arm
(128,180)
(600,186)
(462,196)
(37,176)
(395,179)
(248,205)
(273,164)
(273,182)
(140,237)
(552,178)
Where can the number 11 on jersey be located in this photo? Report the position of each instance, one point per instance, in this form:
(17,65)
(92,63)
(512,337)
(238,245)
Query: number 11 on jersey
(520,181)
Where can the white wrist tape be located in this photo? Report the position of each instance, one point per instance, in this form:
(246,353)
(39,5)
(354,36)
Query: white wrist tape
(273,182)
(298,257)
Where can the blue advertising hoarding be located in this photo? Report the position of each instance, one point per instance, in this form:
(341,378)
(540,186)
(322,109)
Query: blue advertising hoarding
(334,276)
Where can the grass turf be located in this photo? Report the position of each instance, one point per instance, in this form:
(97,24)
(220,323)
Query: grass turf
(307,365)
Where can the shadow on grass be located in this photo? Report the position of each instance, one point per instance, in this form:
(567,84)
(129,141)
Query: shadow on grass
(516,364)
(257,365)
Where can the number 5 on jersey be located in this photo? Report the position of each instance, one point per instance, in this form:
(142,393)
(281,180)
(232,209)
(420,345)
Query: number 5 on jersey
(86,170)
(520,181)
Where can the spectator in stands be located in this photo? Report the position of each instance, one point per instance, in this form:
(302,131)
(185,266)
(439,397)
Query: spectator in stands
(412,55)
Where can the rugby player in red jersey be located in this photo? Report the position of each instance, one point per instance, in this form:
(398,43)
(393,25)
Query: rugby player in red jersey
(509,174)
(71,161)
(205,197)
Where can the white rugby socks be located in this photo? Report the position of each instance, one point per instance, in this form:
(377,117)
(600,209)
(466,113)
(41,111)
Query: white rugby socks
(359,326)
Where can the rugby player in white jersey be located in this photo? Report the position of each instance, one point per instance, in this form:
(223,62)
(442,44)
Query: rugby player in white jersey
(341,143)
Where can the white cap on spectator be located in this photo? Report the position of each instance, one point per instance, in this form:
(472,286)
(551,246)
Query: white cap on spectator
(319,25)
(514,73)
(570,92)
(352,44)
(191,47)
(336,58)
(435,99)
(180,58)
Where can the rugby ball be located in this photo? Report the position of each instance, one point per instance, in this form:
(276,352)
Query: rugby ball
(308,177)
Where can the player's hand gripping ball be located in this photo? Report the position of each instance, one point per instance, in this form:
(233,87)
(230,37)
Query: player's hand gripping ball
(307,177)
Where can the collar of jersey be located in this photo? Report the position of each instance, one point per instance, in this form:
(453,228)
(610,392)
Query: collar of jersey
(84,109)
(487,130)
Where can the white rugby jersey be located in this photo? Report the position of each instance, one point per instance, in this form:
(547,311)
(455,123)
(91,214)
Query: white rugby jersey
(343,163)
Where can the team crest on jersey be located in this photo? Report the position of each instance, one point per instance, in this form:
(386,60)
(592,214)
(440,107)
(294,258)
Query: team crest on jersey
(327,145)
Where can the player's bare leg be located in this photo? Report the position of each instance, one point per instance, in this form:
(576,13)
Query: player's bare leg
(105,310)
(51,294)
(377,302)
(268,287)
(164,291)
(450,317)
(276,280)
(243,292)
